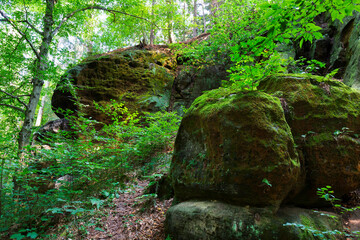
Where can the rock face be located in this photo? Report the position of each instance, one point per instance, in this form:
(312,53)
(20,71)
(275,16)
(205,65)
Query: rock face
(144,79)
(339,49)
(264,148)
(324,118)
(206,220)
(141,78)
(229,144)
(52,127)
(190,83)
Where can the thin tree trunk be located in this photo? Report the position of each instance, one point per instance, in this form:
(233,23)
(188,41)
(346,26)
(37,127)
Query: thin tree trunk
(38,79)
(184,13)
(170,22)
(195,29)
(204,17)
(41,108)
(152,31)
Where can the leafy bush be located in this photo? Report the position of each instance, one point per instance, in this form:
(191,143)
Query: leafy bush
(92,165)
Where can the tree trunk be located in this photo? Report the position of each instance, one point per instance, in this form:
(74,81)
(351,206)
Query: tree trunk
(169,22)
(195,29)
(38,80)
(152,31)
(184,30)
(41,108)
(204,17)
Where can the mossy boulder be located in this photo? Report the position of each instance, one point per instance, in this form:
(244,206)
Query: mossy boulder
(315,104)
(215,220)
(236,147)
(324,117)
(141,78)
(330,160)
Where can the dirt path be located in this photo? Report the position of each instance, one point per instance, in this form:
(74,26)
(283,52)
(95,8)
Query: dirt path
(133,217)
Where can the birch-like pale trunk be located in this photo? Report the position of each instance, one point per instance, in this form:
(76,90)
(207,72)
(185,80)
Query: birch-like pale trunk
(169,25)
(41,108)
(152,30)
(39,75)
(195,29)
(41,65)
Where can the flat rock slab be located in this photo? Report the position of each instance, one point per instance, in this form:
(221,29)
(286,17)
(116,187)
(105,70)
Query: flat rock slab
(207,220)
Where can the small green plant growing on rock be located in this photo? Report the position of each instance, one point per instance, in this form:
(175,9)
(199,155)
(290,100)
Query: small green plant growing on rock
(327,194)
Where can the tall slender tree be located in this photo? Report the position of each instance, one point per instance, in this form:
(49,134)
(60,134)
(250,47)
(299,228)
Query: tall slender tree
(39,38)
(152,30)
(195,29)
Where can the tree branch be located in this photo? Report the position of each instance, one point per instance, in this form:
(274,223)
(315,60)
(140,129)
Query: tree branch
(13,107)
(16,97)
(28,23)
(19,96)
(32,27)
(21,33)
(97,8)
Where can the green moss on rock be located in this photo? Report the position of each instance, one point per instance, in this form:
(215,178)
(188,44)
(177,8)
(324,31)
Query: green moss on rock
(315,103)
(317,110)
(228,143)
(215,220)
(137,77)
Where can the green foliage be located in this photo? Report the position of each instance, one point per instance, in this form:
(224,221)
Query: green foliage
(253,32)
(327,194)
(266,182)
(87,166)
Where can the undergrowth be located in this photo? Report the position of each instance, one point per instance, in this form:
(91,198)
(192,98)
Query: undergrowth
(71,175)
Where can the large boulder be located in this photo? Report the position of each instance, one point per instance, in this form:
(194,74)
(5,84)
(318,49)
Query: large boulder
(141,78)
(235,147)
(148,79)
(315,104)
(324,117)
(204,220)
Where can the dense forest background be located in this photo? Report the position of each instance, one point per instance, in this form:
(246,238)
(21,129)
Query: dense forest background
(41,39)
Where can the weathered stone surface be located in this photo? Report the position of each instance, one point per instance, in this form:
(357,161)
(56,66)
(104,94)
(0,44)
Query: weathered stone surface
(215,220)
(330,161)
(140,78)
(230,145)
(324,117)
(52,127)
(338,49)
(191,82)
(145,79)
(315,103)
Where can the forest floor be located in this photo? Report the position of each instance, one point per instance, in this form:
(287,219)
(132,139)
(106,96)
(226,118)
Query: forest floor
(133,216)
(137,215)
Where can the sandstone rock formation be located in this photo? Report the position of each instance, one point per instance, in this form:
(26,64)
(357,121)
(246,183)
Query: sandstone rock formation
(141,78)
(144,79)
(205,220)
(266,148)
(338,49)
(324,118)
(229,144)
